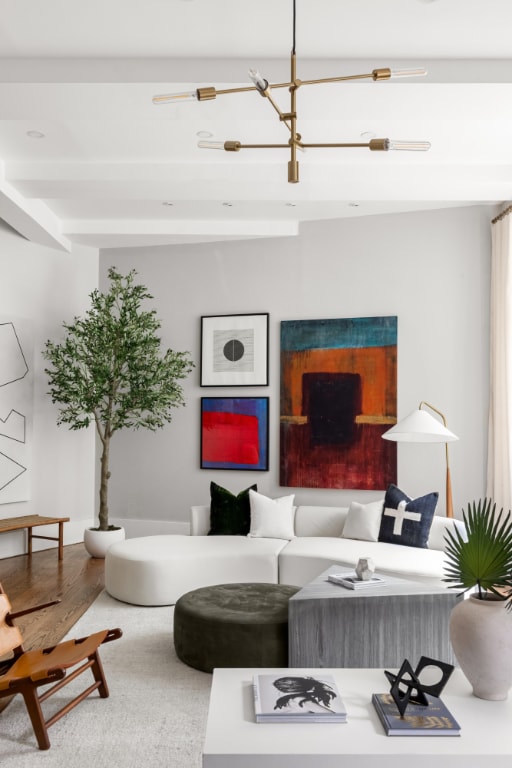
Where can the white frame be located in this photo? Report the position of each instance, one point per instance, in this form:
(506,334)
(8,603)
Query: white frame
(257,324)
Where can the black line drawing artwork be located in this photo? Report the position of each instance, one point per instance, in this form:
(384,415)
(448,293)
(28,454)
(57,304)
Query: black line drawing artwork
(13,427)
(6,470)
(16,407)
(13,365)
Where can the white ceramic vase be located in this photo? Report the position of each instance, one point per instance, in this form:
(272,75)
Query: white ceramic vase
(97,542)
(481,636)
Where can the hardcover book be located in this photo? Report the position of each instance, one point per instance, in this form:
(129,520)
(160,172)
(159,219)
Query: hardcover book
(288,698)
(432,720)
(350,580)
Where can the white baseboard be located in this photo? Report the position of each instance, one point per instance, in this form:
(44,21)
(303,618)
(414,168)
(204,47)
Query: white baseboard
(135,528)
(15,542)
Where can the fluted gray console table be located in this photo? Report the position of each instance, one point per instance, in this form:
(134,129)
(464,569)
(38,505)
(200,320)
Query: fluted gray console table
(331,626)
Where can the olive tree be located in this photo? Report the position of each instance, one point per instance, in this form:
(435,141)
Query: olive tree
(110,368)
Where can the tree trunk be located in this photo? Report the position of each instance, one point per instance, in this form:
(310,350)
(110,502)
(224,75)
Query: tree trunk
(104,478)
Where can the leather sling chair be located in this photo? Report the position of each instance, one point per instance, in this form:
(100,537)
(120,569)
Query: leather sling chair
(25,672)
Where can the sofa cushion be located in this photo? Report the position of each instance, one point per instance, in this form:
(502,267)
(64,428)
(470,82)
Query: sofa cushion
(320,521)
(157,570)
(304,558)
(230,515)
(271,518)
(363,521)
(436,538)
(407,521)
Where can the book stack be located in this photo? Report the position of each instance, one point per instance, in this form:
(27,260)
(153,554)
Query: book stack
(350,580)
(432,720)
(288,698)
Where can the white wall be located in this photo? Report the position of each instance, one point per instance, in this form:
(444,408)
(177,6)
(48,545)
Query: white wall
(46,286)
(431,269)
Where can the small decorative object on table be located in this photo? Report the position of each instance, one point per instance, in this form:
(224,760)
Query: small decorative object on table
(427,714)
(365,568)
(283,698)
(350,580)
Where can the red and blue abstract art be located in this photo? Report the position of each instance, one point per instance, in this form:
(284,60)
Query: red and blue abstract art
(234,433)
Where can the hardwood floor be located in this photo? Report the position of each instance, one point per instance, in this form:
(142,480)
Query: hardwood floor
(76,581)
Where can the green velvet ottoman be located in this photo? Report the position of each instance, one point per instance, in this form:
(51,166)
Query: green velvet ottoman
(233,625)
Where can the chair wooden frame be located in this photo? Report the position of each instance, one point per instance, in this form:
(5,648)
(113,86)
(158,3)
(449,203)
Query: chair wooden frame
(26,671)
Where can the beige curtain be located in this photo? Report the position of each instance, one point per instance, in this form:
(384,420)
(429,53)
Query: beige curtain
(499,466)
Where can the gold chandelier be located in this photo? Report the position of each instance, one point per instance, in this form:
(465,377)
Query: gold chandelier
(289,118)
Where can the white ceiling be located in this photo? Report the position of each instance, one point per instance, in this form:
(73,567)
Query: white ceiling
(84,73)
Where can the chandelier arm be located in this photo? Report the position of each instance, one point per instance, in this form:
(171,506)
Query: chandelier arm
(293,165)
(283,118)
(341,78)
(298,143)
(221,92)
(319,146)
(234,146)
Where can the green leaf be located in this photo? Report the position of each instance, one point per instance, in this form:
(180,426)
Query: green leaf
(483,558)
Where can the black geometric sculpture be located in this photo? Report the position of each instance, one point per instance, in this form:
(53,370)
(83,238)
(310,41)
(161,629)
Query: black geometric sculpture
(406,687)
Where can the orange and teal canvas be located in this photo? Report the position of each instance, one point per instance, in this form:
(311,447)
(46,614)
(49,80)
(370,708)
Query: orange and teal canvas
(338,396)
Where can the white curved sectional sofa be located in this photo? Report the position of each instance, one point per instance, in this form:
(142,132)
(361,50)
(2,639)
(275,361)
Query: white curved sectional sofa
(157,570)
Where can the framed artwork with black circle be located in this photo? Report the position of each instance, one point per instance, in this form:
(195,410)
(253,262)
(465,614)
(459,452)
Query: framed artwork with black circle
(234,350)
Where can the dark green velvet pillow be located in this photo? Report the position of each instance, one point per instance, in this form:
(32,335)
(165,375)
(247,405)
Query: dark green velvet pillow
(230,515)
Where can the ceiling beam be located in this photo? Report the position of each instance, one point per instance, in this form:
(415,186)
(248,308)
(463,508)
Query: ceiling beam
(31,218)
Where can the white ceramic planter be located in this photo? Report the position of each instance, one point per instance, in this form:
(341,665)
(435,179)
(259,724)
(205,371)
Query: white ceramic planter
(481,636)
(97,542)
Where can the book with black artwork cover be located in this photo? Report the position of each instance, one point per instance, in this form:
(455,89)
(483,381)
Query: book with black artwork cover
(432,720)
(350,580)
(288,698)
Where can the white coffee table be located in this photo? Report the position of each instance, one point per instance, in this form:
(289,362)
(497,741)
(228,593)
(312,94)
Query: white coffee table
(331,626)
(235,740)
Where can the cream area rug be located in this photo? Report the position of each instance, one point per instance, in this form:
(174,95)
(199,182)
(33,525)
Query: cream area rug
(155,716)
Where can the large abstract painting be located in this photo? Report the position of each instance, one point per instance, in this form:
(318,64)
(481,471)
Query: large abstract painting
(338,396)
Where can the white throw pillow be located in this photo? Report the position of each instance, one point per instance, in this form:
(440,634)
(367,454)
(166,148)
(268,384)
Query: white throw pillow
(363,521)
(271,518)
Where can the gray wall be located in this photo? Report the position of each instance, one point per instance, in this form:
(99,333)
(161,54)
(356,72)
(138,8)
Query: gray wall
(431,269)
(44,287)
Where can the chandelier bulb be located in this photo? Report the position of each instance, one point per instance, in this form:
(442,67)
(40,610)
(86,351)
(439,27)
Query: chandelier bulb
(175,98)
(229,146)
(210,144)
(412,146)
(258,80)
(418,72)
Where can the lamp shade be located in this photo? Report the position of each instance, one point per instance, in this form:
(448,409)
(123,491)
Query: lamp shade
(419,427)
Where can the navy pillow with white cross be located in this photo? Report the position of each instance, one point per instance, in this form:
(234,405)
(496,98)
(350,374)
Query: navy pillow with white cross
(407,521)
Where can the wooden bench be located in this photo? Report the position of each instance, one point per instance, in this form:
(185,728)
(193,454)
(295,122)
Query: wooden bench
(32,521)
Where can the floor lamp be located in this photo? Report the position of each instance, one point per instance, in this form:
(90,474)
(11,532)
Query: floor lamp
(421,427)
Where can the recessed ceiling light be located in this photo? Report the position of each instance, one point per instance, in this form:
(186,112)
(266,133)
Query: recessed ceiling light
(353,205)
(167,202)
(35,134)
(227,205)
(204,134)
(291,205)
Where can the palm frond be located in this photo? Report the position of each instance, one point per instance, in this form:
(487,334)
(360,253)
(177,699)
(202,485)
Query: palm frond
(483,558)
